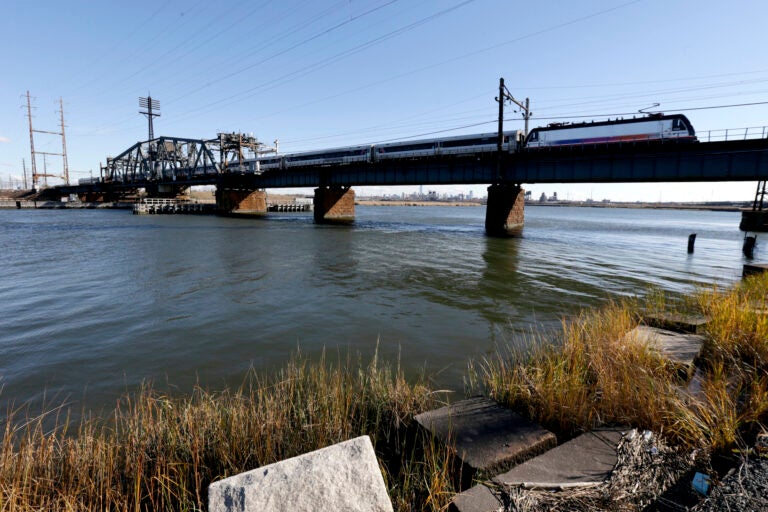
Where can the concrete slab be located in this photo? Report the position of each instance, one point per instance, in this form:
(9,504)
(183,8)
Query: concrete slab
(754,268)
(676,322)
(678,348)
(584,461)
(344,476)
(486,436)
(477,499)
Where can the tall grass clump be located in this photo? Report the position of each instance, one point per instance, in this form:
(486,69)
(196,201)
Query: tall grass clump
(592,373)
(160,452)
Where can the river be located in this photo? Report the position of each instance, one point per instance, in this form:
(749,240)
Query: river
(94,302)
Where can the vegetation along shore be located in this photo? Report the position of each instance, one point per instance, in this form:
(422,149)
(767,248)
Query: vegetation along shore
(156,451)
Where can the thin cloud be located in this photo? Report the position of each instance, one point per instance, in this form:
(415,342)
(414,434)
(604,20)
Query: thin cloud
(4,139)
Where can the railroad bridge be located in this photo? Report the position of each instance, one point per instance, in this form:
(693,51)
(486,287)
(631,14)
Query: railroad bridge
(168,165)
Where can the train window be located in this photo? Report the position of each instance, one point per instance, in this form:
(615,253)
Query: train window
(467,142)
(677,125)
(533,137)
(407,147)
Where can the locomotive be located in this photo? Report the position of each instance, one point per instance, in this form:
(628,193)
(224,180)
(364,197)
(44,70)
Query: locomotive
(651,128)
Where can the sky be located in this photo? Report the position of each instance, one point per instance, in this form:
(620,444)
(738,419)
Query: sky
(322,74)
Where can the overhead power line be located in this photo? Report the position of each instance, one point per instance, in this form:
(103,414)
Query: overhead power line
(688,109)
(615,114)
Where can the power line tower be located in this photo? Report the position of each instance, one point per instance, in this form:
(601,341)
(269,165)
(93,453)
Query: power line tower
(63,142)
(35,175)
(151,108)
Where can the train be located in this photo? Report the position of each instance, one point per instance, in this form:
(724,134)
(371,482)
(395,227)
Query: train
(652,128)
(463,145)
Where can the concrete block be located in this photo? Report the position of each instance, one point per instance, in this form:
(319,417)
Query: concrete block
(477,499)
(675,322)
(584,461)
(754,268)
(678,348)
(486,436)
(345,476)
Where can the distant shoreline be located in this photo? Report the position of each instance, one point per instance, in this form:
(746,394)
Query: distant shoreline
(719,207)
(376,202)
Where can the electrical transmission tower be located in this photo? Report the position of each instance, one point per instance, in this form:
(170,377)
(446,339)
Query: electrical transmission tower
(150,108)
(35,175)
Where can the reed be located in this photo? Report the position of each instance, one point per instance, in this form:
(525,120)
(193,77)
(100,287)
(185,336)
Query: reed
(591,374)
(158,452)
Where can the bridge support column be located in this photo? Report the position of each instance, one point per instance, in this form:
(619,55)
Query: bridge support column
(241,202)
(334,205)
(505,211)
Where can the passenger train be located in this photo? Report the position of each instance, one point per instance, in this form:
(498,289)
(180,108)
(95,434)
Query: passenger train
(461,145)
(651,128)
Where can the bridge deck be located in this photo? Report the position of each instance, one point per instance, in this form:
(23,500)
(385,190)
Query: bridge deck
(733,160)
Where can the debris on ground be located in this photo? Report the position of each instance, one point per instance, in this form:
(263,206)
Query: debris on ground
(646,468)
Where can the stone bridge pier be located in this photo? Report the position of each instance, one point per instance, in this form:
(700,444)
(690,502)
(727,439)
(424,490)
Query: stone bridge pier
(334,205)
(238,201)
(505,211)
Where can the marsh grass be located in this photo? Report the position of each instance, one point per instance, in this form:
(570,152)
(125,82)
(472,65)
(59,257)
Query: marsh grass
(159,452)
(592,374)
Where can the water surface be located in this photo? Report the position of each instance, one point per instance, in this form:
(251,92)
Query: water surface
(94,302)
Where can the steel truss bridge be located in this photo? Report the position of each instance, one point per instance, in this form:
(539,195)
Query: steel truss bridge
(176,163)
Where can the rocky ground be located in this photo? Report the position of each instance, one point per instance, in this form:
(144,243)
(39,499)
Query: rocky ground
(745,488)
(651,477)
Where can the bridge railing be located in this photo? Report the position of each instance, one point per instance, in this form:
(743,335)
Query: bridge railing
(752,132)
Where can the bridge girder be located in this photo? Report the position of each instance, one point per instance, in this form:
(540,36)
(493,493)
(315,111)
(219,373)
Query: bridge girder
(164,159)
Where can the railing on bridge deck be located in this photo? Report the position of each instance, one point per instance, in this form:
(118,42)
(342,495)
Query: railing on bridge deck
(752,132)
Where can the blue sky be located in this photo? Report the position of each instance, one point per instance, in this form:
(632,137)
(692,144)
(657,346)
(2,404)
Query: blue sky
(318,74)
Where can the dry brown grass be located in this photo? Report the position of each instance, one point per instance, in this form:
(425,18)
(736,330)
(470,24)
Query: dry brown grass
(158,452)
(591,374)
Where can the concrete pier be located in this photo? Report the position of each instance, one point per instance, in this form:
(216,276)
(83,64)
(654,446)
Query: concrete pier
(241,202)
(505,212)
(334,205)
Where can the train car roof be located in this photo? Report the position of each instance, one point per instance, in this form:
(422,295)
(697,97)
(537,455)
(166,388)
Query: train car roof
(328,150)
(441,139)
(559,126)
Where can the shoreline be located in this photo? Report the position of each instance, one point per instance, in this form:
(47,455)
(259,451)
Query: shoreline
(716,206)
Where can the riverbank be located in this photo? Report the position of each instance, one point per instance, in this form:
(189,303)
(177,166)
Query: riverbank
(375,202)
(714,207)
(160,451)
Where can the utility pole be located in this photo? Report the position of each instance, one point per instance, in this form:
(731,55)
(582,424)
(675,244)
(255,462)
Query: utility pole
(505,95)
(63,142)
(151,109)
(31,141)
(35,175)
